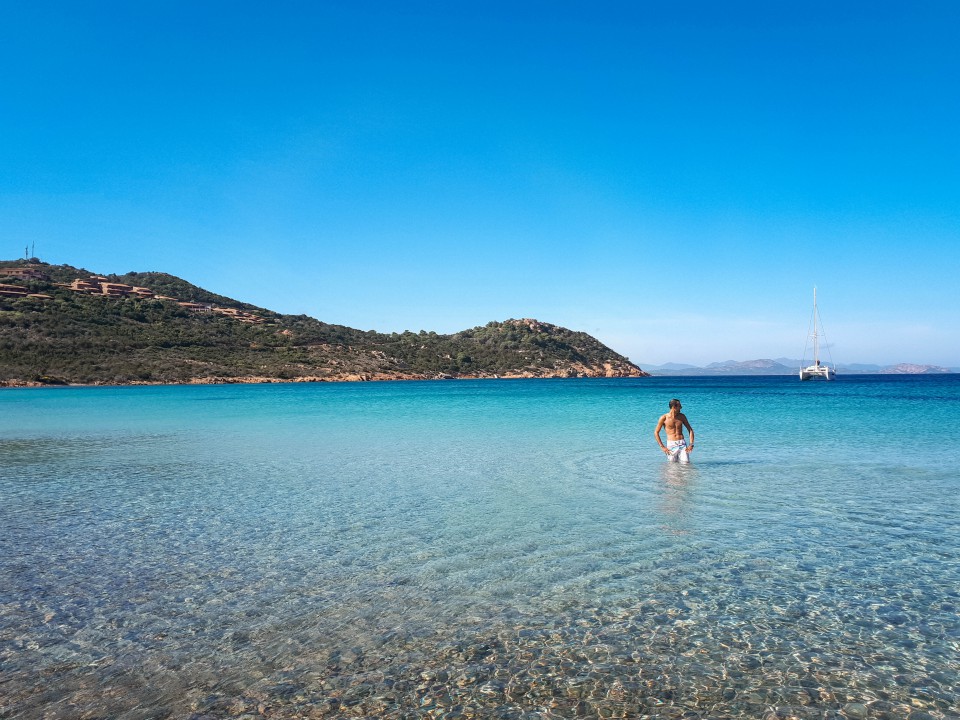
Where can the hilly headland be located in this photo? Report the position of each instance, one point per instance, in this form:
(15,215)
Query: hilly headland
(65,325)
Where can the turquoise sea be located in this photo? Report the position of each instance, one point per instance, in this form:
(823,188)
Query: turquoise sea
(487,549)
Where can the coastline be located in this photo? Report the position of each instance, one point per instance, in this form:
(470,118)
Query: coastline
(607,371)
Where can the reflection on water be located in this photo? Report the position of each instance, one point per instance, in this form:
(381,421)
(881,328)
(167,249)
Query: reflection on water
(675,494)
(452,551)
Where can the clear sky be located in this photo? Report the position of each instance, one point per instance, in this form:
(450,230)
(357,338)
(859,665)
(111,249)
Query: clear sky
(672,177)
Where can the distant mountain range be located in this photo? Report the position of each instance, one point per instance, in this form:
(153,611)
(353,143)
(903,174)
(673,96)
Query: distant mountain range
(788,366)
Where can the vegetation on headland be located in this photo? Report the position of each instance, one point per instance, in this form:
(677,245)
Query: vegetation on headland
(70,337)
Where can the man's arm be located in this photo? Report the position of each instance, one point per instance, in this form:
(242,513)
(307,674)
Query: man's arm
(656,434)
(686,424)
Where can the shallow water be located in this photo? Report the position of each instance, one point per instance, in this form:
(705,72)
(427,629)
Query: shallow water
(485,549)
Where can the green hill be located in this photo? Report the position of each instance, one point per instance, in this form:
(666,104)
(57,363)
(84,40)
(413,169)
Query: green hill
(51,333)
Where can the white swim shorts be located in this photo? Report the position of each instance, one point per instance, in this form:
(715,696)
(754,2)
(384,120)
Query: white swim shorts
(678,451)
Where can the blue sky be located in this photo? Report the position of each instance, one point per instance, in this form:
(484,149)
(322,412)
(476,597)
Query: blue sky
(671,177)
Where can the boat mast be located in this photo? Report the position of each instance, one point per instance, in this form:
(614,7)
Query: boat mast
(816,346)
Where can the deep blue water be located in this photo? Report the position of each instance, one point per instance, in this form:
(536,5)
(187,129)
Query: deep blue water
(481,549)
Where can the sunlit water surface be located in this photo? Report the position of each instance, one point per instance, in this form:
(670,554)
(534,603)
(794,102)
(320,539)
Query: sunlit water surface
(502,549)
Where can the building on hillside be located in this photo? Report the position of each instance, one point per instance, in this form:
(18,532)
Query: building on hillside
(24,273)
(13,290)
(85,286)
(18,291)
(195,307)
(115,289)
(111,289)
(98,285)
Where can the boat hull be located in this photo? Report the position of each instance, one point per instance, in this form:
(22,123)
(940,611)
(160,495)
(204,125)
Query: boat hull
(817,372)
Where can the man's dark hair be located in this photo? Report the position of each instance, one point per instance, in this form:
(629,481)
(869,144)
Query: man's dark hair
(674,402)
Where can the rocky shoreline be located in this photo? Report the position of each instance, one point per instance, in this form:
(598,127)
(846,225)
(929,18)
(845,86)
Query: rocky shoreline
(607,371)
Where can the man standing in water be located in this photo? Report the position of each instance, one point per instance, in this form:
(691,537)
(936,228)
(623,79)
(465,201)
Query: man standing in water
(675,421)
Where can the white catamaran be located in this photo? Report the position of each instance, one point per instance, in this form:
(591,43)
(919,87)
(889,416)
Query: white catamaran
(817,371)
